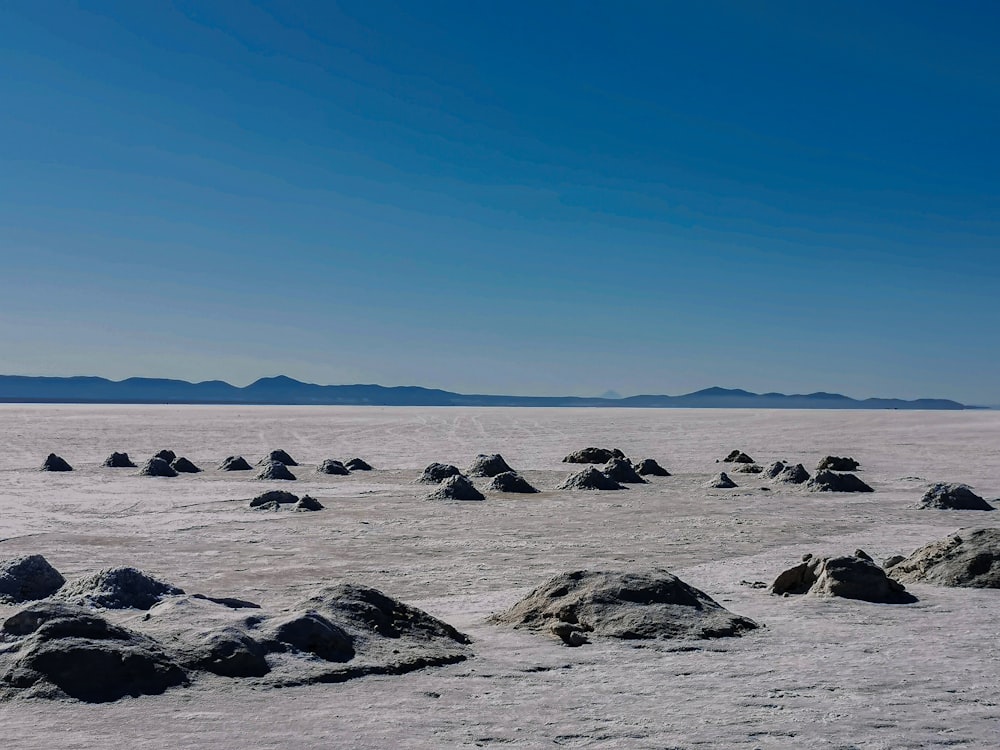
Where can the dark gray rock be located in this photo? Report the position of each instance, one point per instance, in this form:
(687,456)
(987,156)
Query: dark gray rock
(593,456)
(235,463)
(774,469)
(720,481)
(333,467)
(280,456)
(838,463)
(953,497)
(648,467)
(630,605)
(166,455)
(792,475)
(182,466)
(53,462)
(488,465)
(357,464)
(229,652)
(738,457)
(275,470)
(456,488)
(312,633)
(830,481)
(277,497)
(621,470)
(850,577)
(117,588)
(968,559)
(747,468)
(157,467)
(307,503)
(28,578)
(589,479)
(510,481)
(436,473)
(119,461)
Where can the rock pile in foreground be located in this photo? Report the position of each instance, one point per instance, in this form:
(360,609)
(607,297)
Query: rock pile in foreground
(969,559)
(953,497)
(851,577)
(27,578)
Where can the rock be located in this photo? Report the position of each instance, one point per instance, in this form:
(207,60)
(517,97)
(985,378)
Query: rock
(456,488)
(570,634)
(953,497)
(157,467)
(647,467)
(792,475)
(774,469)
(312,633)
(721,481)
(738,457)
(274,470)
(55,463)
(436,473)
(488,465)
(229,652)
(629,605)
(67,650)
(182,466)
(829,481)
(166,455)
(28,578)
(308,503)
(621,470)
(836,463)
(278,497)
(748,468)
(280,456)
(593,456)
(119,461)
(235,463)
(968,559)
(510,481)
(330,466)
(358,464)
(117,588)
(589,479)
(892,560)
(850,577)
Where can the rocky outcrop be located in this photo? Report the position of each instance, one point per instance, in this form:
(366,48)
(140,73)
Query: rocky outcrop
(436,473)
(648,467)
(280,456)
(621,470)
(235,463)
(589,479)
(273,498)
(953,497)
(165,455)
(720,481)
(27,578)
(331,466)
(357,464)
(831,481)
(968,559)
(850,577)
(510,481)
(275,470)
(792,475)
(307,503)
(593,456)
(488,465)
(157,467)
(119,461)
(838,463)
(456,487)
(53,462)
(183,466)
(738,457)
(774,469)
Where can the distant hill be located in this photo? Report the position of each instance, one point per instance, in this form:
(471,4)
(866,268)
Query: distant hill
(284,390)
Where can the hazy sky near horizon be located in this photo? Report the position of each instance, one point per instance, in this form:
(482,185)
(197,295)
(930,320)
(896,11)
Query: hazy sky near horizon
(505,197)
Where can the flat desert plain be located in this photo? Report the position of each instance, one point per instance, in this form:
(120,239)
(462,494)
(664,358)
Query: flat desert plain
(819,673)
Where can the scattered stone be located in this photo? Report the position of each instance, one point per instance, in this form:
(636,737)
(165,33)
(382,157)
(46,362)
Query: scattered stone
(593,456)
(748,468)
(738,457)
(277,497)
(436,473)
(829,481)
(850,577)
(510,481)
(275,470)
(953,497)
(157,467)
(456,487)
(629,605)
(280,456)
(182,466)
(235,463)
(117,588)
(166,455)
(55,463)
(968,559)
(721,481)
(488,465)
(28,578)
(648,467)
(774,469)
(308,503)
(837,463)
(331,466)
(589,479)
(792,475)
(358,464)
(621,470)
(119,461)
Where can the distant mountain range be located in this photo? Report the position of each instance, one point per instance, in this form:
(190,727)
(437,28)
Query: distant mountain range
(284,390)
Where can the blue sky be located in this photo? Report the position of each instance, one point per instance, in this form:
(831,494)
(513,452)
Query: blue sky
(507,197)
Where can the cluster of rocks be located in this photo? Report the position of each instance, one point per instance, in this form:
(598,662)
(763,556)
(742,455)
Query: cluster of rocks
(455,485)
(618,470)
(944,496)
(275,499)
(968,559)
(849,576)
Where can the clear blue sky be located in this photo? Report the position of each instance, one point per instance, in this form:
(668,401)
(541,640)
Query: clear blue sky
(506,197)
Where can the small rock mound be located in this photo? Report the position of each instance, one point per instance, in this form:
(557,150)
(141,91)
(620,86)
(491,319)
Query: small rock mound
(436,473)
(331,466)
(275,470)
(28,578)
(968,559)
(593,456)
(456,488)
(721,481)
(273,498)
(838,463)
(748,468)
(166,455)
(792,475)
(774,469)
(157,467)
(589,479)
(510,481)
(831,481)
(182,466)
(53,462)
(280,456)
(117,588)
(307,503)
(229,652)
(488,465)
(311,633)
(357,464)
(648,467)
(629,605)
(851,577)
(953,497)
(235,463)
(119,461)
(621,470)
(738,457)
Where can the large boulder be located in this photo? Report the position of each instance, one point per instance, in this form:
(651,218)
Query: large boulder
(488,465)
(838,463)
(850,577)
(720,481)
(278,455)
(510,481)
(969,559)
(119,461)
(831,481)
(235,463)
(593,456)
(630,605)
(183,466)
(357,464)
(621,470)
(590,479)
(53,462)
(648,467)
(166,455)
(157,467)
(333,467)
(738,457)
(28,578)
(273,498)
(456,487)
(117,588)
(275,470)
(953,497)
(792,475)
(436,473)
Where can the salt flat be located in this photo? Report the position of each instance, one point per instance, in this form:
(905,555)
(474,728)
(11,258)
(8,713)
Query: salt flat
(821,673)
